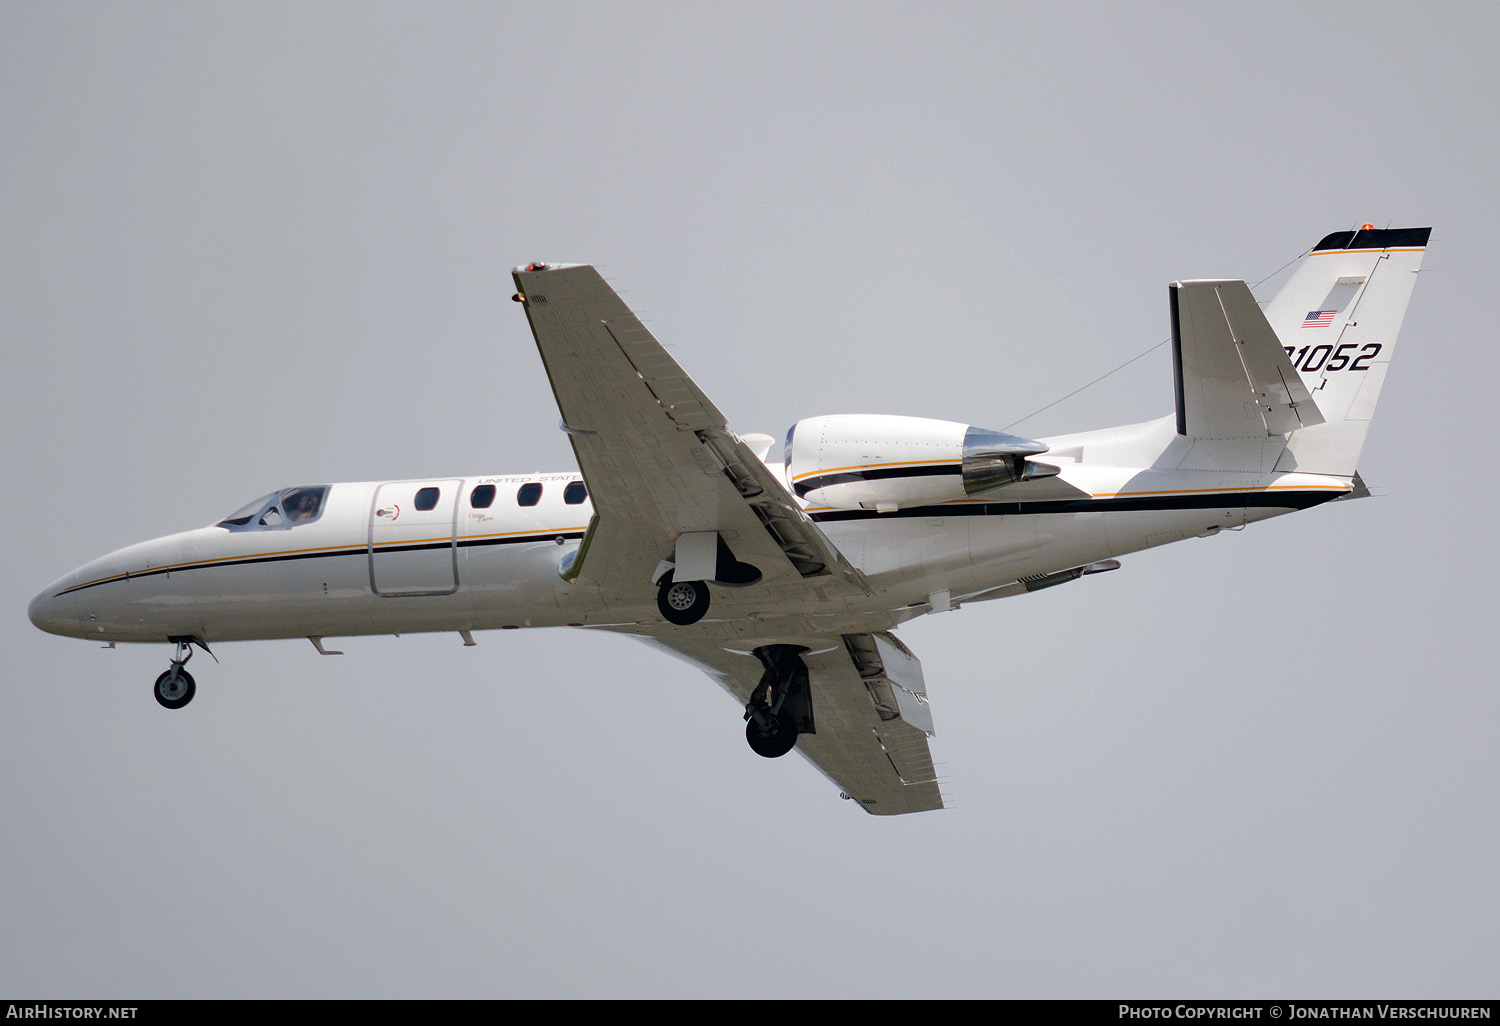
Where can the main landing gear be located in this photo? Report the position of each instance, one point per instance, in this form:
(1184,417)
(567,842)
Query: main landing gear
(780,707)
(175,688)
(770,734)
(682,602)
(686,602)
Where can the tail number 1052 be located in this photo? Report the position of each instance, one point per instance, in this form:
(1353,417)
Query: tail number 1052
(1311,359)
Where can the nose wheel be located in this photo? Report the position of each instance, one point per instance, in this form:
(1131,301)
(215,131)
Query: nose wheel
(175,688)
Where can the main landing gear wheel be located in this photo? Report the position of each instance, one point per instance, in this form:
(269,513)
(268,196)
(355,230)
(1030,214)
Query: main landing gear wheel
(771,735)
(682,602)
(175,688)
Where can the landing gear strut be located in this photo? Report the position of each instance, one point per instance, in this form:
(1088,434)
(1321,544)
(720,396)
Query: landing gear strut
(175,688)
(780,707)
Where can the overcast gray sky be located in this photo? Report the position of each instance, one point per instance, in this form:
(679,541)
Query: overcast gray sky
(252,245)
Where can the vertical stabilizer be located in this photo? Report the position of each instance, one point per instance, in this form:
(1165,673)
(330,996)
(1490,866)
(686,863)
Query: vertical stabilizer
(1337,318)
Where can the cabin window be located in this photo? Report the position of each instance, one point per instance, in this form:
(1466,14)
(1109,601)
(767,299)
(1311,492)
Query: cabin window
(286,508)
(482,497)
(575,493)
(426,499)
(529,494)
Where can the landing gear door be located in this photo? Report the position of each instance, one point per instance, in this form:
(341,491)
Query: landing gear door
(413,545)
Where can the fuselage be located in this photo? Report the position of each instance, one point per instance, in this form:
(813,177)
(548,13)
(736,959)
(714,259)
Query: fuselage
(783,581)
(483,553)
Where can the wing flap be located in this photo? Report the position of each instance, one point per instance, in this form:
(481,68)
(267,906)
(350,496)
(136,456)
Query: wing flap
(1234,379)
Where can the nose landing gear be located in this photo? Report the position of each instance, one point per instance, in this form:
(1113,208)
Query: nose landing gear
(175,688)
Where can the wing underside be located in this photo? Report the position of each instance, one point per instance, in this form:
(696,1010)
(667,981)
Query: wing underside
(870,715)
(664,472)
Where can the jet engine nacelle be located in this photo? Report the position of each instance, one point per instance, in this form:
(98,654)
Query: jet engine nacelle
(860,461)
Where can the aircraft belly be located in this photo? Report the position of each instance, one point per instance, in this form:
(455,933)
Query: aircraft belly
(943,554)
(515,586)
(909,546)
(1132,531)
(1059,541)
(254,596)
(1071,538)
(321,596)
(997,541)
(331,597)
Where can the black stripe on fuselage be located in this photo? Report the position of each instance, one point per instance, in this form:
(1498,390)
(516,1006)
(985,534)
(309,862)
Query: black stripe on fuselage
(873,474)
(1115,504)
(283,557)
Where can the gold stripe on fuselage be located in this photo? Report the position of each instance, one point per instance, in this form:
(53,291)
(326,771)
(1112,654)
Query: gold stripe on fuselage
(325,550)
(876,466)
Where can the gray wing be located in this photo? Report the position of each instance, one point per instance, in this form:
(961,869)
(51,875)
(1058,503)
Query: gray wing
(660,461)
(870,714)
(658,457)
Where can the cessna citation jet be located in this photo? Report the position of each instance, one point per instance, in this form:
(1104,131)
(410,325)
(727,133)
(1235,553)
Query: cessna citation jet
(784,578)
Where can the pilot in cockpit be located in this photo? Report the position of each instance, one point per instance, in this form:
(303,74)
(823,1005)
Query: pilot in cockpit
(301,505)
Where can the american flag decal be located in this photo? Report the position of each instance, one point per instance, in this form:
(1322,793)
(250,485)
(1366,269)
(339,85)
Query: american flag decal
(1318,318)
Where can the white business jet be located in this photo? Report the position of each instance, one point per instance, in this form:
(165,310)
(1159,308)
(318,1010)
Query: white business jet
(783,579)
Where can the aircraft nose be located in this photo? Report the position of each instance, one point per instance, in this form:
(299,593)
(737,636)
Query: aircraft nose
(54,613)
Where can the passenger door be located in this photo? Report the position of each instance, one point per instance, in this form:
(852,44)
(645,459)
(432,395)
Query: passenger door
(413,545)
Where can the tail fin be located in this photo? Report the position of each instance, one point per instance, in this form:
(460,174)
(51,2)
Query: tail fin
(1337,318)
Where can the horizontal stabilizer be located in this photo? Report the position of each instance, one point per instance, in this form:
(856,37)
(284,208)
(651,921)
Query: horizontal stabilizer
(1234,379)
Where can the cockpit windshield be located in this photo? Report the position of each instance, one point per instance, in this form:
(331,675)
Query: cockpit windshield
(286,508)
